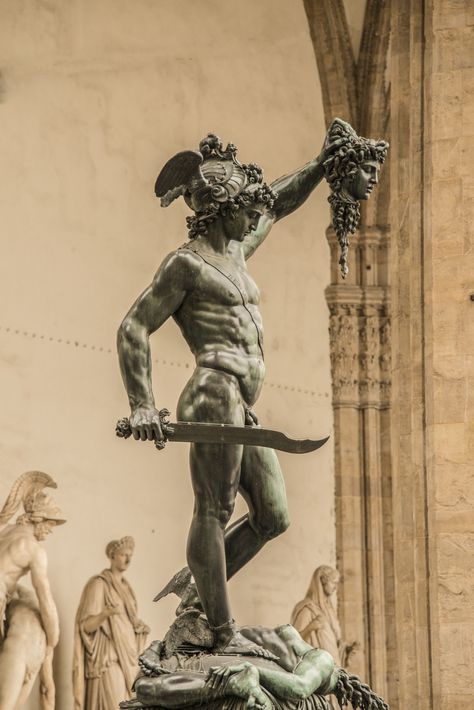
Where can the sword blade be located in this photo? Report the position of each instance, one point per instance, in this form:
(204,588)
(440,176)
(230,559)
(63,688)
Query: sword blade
(206,433)
(213,433)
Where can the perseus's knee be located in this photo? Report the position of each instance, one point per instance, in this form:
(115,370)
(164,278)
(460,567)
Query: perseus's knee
(270,527)
(222,512)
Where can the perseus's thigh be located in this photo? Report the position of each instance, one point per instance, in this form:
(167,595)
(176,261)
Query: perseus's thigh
(215,476)
(262,483)
(211,396)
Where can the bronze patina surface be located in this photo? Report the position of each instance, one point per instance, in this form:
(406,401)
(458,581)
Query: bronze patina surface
(207,289)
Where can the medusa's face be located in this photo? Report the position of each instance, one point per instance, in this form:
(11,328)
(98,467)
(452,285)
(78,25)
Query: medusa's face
(360,185)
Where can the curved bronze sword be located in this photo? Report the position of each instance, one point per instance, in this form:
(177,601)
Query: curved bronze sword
(211,433)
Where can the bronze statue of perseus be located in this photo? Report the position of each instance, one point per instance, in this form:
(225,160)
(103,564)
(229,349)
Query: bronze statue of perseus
(206,287)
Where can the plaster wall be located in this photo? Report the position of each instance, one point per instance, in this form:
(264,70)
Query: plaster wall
(95,97)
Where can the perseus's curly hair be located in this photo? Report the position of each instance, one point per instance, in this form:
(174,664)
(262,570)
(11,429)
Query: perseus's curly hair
(256,192)
(344,163)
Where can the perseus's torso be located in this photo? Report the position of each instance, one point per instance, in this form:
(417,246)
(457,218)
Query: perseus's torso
(221,321)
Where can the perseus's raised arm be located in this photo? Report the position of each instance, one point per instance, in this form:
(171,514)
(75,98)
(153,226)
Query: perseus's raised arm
(294,188)
(291,191)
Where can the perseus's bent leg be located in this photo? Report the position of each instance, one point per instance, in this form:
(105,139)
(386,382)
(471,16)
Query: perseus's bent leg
(263,487)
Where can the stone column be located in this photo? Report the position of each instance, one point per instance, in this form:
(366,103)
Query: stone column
(361,362)
(432,265)
(357,91)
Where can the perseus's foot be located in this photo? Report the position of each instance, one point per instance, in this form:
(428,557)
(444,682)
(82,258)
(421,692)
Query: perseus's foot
(228,641)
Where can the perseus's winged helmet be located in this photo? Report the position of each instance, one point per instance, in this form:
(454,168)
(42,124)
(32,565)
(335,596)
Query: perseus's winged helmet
(207,177)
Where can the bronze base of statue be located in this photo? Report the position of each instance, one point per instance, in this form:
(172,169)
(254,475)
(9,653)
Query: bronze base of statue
(178,672)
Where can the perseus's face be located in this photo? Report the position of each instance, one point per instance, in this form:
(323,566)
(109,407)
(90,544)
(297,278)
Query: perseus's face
(244,222)
(360,185)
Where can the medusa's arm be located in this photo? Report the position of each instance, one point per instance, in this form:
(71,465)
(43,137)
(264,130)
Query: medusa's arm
(314,672)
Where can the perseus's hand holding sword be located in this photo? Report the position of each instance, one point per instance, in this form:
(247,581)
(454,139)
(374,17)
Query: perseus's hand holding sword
(206,287)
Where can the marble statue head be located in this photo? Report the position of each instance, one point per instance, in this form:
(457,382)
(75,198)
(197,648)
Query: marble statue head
(330,579)
(40,510)
(120,552)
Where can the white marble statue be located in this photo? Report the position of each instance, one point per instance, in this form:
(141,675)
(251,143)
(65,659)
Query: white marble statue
(109,636)
(29,627)
(315,616)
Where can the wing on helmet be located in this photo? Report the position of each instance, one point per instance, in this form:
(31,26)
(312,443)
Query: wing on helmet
(177,175)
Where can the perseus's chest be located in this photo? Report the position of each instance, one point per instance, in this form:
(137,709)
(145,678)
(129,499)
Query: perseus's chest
(227,282)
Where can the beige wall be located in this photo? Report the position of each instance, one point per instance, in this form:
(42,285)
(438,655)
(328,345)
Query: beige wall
(354,11)
(96,96)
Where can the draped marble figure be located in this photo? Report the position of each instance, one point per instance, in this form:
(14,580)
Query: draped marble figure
(108,636)
(315,616)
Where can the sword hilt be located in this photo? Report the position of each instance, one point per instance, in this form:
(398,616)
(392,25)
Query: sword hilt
(123,429)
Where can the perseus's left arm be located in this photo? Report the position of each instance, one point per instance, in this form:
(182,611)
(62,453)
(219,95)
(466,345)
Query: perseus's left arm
(292,190)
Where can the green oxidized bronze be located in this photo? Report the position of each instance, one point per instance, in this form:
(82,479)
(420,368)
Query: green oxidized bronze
(301,678)
(206,287)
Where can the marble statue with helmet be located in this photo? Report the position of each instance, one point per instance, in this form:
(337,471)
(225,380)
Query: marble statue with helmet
(29,626)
